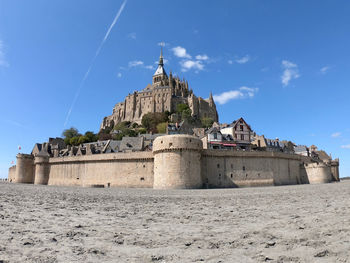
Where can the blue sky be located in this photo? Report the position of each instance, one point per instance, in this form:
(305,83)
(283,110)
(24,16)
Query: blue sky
(282,65)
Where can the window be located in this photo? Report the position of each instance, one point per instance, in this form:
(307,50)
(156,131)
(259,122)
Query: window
(215,136)
(243,168)
(241,127)
(218,165)
(242,137)
(231,175)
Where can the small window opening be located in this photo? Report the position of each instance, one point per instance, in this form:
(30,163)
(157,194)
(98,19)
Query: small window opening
(243,168)
(218,165)
(142,179)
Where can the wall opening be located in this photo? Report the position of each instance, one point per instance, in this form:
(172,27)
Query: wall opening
(142,179)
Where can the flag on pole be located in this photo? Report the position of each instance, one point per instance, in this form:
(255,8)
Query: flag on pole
(19,147)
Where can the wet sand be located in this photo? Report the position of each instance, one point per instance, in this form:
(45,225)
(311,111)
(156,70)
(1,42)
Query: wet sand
(305,223)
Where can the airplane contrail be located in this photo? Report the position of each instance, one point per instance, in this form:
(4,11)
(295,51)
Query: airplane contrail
(93,61)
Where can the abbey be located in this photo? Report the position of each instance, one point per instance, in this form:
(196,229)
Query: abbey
(162,95)
(220,156)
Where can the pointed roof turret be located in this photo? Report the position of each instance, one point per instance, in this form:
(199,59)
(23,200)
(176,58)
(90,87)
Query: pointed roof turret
(160,70)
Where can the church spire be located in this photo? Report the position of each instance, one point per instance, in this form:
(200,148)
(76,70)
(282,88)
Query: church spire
(160,74)
(161,57)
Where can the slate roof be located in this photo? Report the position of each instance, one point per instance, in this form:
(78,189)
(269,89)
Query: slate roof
(300,149)
(131,143)
(212,130)
(160,71)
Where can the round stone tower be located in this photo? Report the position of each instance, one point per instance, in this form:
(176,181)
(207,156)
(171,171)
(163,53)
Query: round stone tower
(42,168)
(318,173)
(177,162)
(24,169)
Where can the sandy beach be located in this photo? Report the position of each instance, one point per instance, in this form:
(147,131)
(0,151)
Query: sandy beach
(303,223)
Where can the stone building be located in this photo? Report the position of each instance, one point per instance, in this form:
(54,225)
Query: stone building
(240,131)
(162,95)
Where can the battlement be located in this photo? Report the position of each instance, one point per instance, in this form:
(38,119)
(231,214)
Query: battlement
(176,142)
(177,161)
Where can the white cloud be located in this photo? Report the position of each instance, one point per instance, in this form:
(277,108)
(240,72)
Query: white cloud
(191,64)
(241,93)
(119,75)
(347,146)
(132,35)
(165,61)
(230,62)
(325,69)
(243,60)
(290,72)
(336,134)
(149,67)
(202,57)
(180,52)
(135,63)
(3,62)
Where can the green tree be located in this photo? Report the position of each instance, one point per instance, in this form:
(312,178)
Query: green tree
(74,141)
(151,120)
(207,122)
(181,107)
(90,136)
(161,127)
(184,111)
(70,133)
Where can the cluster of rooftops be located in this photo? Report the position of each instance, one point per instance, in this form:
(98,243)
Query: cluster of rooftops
(237,136)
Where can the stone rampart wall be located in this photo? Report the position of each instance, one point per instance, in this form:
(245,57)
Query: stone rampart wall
(12,173)
(177,161)
(318,173)
(115,169)
(240,169)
